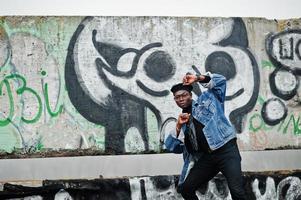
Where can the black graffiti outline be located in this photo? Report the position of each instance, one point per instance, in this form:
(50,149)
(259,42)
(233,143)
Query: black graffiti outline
(239,31)
(94,112)
(100,64)
(150,91)
(219,54)
(269,49)
(139,52)
(265,116)
(278,93)
(256,186)
(281,66)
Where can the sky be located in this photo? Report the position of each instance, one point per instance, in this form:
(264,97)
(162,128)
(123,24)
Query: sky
(270,9)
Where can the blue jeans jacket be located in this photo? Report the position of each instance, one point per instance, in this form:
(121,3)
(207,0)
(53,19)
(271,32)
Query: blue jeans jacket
(209,110)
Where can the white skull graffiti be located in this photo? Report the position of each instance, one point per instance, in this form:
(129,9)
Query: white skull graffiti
(145,56)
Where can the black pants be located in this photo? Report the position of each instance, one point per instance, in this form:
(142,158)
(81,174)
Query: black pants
(226,160)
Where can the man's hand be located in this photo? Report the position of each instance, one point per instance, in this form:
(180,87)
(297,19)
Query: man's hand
(188,79)
(182,119)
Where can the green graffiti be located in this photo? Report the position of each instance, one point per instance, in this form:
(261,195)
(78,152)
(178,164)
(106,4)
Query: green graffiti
(296,125)
(260,100)
(11,102)
(38,115)
(39,146)
(23,89)
(20,91)
(43,73)
(251,122)
(267,64)
(53,114)
(283,126)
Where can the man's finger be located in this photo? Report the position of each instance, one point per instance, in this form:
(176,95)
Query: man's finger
(185,81)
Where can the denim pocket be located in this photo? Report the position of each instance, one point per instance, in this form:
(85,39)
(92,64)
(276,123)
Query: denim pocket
(207,108)
(223,128)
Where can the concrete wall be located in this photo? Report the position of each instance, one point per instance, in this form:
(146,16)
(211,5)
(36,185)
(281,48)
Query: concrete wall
(260,186)
(103,82)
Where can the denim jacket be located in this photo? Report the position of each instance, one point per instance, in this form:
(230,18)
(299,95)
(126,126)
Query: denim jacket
(209,110)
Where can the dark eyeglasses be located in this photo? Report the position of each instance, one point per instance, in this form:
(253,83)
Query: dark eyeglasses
(179,96)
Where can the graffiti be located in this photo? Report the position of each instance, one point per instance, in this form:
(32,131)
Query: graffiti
(105,81)
(20,91)
(30,88)
(258,186)
(273,111)
(164,187)
(292,123)
(288,189)
(153,188)
(62,194)
(296,125)
(110,77)
(284,84)
(266,64)
(4,47)
(259,140)
(283,50)
(238,39)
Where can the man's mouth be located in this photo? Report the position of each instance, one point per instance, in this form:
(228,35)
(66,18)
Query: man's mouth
(182,104)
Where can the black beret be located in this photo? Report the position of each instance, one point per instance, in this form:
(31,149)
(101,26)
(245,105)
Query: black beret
(180,86)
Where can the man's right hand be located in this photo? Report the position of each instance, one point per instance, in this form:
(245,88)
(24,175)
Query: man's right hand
(182,119)
(188,79)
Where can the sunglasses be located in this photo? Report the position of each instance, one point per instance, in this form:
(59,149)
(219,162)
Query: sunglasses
(179,96)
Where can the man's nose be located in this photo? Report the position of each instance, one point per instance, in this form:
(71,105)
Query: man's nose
(181,98)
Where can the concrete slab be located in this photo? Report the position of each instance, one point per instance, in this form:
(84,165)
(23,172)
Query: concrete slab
(90,167)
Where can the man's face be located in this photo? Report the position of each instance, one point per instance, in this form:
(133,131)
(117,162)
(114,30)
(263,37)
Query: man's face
(183,98)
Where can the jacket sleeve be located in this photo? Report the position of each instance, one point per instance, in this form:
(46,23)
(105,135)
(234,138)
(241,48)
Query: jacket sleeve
(217,85)
(173,144)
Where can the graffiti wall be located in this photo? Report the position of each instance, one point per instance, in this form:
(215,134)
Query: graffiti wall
(104,82)
(259,186)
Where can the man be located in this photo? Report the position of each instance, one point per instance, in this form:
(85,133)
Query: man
(205,137)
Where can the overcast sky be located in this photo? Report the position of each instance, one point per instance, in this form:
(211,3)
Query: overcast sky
(270,9)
